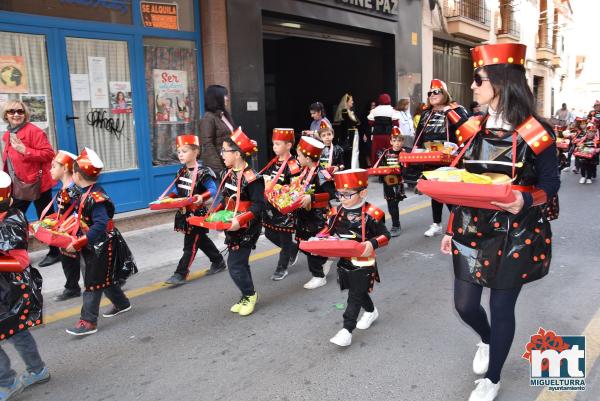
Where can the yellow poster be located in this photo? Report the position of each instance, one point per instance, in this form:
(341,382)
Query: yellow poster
(13,75)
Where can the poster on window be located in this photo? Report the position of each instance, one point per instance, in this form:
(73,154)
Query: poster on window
(98,82)
(13,75)
(172,103)
(38,109)
(120,97)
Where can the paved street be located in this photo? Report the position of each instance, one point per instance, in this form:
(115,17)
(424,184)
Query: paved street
(184,344)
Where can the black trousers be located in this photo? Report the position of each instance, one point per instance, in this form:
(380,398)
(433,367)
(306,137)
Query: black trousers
(91,302)
(394,212)
(40,204)
(285,241)
(436,211)
(72,269)
(315,264)
(500,332)
(588,170)
(191,243)
(239,269)
(356,300)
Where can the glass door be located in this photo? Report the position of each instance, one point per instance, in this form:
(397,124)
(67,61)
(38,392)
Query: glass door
(102,113)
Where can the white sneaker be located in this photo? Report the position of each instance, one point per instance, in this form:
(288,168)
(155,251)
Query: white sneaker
(582,180)
(343,338)
(588,181)
(482,359)
(434,229)
(367,319)
(485,390)
(327,267)
(315,282)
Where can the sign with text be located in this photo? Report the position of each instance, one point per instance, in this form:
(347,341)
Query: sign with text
(159,15)
(389,7)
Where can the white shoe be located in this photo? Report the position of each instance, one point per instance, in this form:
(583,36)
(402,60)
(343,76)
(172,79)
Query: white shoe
(343,338)
(367,319)
(315,282)
(482,359)
(485,390)
(434,229)
(588,181)
(582,180)
(327,267)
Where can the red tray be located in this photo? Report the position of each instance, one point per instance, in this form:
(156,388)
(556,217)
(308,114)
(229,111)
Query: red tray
(200,221)
(467,194)
(584,155)
(437,158)
(176,204)
(333,248)
(383,170)
(52,238)
(289,209)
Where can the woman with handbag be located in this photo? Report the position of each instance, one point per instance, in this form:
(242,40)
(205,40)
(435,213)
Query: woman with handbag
(503,248)
(216,126)
(27,158)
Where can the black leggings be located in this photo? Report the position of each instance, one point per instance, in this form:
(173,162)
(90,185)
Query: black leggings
(588,170)
(467,301)
(436,211)
(285,241)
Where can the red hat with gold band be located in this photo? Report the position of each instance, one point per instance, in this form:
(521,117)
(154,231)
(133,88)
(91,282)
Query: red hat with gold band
(438,84)
(89,162)
(498,53)
(66,159)
(283,134)
(310,147)
(396,132)
(245,144)
(351,179)
(187,139)
(5,186)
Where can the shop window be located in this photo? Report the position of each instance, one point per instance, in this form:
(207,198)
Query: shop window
(24,76)
(165,14)
(113,11)
(102,105)
(172,89)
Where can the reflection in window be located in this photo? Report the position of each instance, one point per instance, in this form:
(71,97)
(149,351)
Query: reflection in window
(172,89)
(25,70)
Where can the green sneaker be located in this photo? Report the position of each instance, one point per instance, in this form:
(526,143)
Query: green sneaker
(248,304)
(236,308)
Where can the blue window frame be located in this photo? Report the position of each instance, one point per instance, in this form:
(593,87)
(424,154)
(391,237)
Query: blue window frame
(131,189)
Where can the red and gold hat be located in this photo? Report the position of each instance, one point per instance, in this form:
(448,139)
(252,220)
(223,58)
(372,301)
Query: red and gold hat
(395,132)
(351,179)
(283,134)
(324,124)
(5,186)
(438,84)
(90,163)
(499,53)
(187,139)
(66,159)
(245,144)
(310,147)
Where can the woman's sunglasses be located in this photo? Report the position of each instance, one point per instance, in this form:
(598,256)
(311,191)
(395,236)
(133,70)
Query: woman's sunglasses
(20,112)
(478,79)
(434,92)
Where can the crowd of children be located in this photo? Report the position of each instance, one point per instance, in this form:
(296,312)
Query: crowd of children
(581,141)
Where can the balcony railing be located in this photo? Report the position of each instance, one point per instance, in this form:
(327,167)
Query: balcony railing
(510,27)
(472,9)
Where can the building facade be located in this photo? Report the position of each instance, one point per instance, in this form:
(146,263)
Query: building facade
(451,27)
(119,76)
